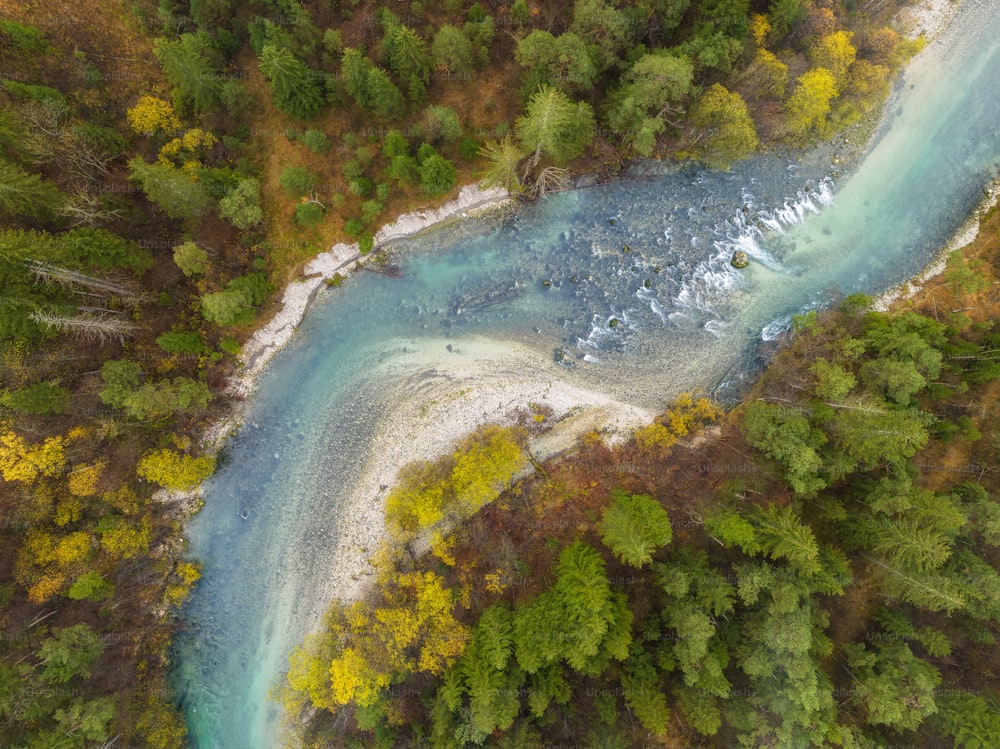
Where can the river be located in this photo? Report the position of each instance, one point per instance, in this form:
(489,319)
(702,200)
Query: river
(622,289)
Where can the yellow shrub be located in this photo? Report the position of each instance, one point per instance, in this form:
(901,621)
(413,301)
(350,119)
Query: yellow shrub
(72,549)
(20,461)
(45,588)
(151,115)
(83,480)
(69,510)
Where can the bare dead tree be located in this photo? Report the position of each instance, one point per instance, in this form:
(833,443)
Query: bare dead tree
(43,272)
(84,159)
(85,209)
(47,115)
(551,178)
(90,325)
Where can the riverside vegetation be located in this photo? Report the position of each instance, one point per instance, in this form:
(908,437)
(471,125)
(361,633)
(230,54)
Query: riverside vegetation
(149,211)
(817,567)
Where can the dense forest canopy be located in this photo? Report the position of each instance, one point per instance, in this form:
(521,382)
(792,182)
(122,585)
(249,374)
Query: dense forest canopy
(166,166)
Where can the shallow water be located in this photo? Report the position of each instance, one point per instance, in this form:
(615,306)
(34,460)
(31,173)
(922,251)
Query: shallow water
(665,315)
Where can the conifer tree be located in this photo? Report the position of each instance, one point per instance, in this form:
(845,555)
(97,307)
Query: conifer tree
(634,526)
(643,693)
(502,159)
(24,194)
(189,65)
(555,126)
(294,88)
(408,59)
(897,688)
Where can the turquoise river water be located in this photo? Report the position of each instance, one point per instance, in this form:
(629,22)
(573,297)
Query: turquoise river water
(683,318)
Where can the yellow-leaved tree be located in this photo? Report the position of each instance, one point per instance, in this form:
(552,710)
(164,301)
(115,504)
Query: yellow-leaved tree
(807,108)
(480,468)
(151,115)
(685,414)
(834,52)
(21,461)
(413,628)
(83,479)
(173,470)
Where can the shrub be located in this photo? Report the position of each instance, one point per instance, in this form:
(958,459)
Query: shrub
(151,115)
(26,38)
(370,210)
(468,148)
(92,586)
(395,144)
(191,259)
(182,342)
(309,214)
(41,398)
(437,175)
(362,187)
(241,205)
(230,346)
(297,181)
(173,470)
(316,141)
(96,248)
(441,124)
(354,228)
(120,378)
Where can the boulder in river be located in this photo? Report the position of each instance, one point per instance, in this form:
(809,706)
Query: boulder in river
(739,259)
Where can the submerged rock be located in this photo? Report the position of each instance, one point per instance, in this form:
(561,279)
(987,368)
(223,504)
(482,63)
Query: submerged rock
(739,259)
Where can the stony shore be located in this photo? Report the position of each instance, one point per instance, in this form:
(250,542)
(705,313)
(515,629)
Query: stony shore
(442,390)
(340,260)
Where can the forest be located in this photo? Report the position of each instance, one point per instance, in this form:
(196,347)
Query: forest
(167,167)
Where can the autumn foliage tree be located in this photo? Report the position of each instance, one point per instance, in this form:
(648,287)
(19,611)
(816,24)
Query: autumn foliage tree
(173,470)
(455,486)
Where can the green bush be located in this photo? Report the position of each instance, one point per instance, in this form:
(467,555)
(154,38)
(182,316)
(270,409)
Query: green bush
(241,205)
(354,228)
(29,92)
(366,243)
(92,586)
(309,214)
(425,151)
(352,169)
(41,398)
(253,286)
(441,124)
(297,181)
(191,259)
(370,210)
(468,149)
(362,187)
(182,342)
(230,345)
(108,140)
(395,144)
(437,175)
(404,169)
(316,141)
(26,38)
